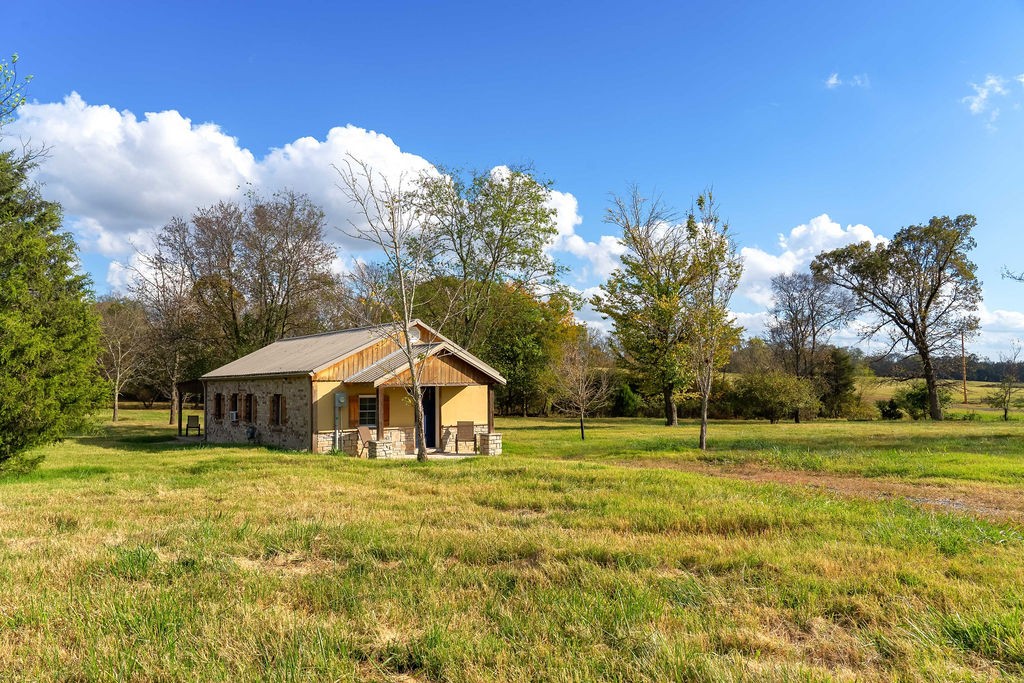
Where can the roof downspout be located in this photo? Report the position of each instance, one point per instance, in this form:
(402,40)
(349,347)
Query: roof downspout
(312,417)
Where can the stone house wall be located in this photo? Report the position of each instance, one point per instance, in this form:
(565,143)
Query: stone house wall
(293,434)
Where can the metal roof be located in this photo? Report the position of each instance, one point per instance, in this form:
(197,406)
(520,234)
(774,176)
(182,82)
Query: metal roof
(315,352)
(299,355)
(391,363)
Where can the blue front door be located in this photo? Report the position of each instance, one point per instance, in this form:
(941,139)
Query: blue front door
(430,416)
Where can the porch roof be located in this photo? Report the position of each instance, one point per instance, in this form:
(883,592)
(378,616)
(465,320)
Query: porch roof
(391,364)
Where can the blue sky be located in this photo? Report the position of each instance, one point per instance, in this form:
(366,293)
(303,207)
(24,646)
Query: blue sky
(861,111)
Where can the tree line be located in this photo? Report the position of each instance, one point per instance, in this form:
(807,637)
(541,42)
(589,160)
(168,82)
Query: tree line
(467,252)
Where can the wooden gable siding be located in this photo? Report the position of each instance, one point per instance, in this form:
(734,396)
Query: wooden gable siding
(356,362)
(444,370)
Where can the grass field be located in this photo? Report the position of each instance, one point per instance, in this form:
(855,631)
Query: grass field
(821,551)
(876,388)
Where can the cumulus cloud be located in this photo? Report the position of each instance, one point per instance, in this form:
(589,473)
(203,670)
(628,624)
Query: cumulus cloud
(795,252)
(120,177)
(601,256)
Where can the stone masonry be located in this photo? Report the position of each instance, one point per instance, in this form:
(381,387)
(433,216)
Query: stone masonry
(293,433)
(490,444)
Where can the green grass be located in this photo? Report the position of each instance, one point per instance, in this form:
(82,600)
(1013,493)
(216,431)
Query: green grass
(128,556)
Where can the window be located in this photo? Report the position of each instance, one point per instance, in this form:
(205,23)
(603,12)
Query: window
(276,410)
(250,408)
(234,403)
(368,411)
(218,406)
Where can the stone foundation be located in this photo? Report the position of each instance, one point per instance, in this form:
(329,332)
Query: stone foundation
(490,444)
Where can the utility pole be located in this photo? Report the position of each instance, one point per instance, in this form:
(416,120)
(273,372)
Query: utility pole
(963,361)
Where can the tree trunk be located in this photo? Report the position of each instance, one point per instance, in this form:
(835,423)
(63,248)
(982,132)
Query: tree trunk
(1006,414)
(174,404)
(420,432)
(583,434)
(671,419)
(116,406)
(934,406)
(704,422)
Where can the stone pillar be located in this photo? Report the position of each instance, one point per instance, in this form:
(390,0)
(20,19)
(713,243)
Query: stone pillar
(381,449)
(490,444)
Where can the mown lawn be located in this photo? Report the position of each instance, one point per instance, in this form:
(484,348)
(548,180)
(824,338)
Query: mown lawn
(130,557)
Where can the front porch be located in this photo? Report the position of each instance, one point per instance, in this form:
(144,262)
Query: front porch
(400,442)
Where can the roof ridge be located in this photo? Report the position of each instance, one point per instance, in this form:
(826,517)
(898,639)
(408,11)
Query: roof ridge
(329,332)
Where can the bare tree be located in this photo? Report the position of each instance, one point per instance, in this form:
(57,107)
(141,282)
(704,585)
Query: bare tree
(808,310)
(715,270)
(393,222)
(258,270)
(123,343)
(1004,396)
(582,386)
(162,284)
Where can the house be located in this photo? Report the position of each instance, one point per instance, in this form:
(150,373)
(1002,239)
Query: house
(313,392)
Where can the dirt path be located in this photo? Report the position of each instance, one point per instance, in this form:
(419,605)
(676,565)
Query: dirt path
(990,501)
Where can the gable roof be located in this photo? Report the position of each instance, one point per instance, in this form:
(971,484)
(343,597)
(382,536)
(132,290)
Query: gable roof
(392,363)
(313,353)
(299,355)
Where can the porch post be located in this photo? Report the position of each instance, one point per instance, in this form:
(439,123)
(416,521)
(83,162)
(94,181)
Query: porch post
(380,414)
(490,408)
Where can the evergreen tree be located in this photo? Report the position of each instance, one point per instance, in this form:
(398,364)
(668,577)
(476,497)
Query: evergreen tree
(49,334)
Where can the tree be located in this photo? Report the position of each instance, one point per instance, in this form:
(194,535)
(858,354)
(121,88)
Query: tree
(258,269)
(773,394)
(920,288)
(12,92)
(914,400)
(393,222)
(715,271)
(1004,396)
(49,335)
(838,384)
(807,311)
(523,343)
(123,343)
(645,297)
(582,385)
(492,230)
(162,283)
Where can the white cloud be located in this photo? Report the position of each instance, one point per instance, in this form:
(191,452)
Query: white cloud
(856,81)
(978,103)
(119,177)
(795,252)
(602,255)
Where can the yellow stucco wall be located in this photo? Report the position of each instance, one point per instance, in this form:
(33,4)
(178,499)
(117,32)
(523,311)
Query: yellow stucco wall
(463,403)
(457,403)
(401,407)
